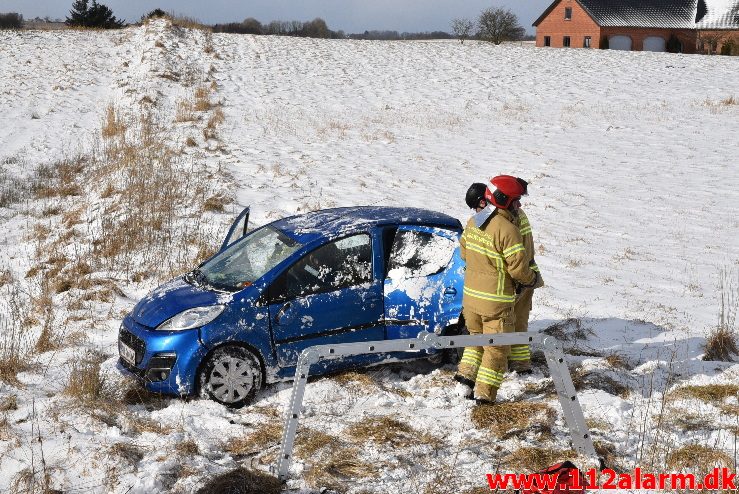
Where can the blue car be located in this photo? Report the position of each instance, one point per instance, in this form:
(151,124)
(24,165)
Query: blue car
(240,320)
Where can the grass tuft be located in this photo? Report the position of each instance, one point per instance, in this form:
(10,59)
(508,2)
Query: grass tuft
(513,418)
(388,431)
(266,436)
(338,468)
(698,459)
(709,393)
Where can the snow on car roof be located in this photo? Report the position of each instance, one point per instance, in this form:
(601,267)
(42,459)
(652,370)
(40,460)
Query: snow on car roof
(330,222)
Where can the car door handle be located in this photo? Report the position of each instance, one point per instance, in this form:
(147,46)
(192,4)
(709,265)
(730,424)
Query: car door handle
(281,313)
(450,291)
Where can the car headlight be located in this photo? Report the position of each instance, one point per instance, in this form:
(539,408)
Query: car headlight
(192,318)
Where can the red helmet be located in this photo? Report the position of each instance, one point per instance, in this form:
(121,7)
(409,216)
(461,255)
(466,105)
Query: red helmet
(507,190)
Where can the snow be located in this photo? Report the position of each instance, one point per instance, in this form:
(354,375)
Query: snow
(632,162)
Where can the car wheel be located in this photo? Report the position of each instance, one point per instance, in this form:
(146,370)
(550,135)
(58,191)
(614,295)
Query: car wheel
(231,376)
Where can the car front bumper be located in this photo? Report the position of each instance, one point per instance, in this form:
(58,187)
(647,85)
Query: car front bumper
(164,361)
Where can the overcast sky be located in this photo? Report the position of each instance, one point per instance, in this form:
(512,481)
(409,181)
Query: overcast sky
(350,15)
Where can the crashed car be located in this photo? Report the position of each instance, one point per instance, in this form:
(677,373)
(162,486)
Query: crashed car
(241,319)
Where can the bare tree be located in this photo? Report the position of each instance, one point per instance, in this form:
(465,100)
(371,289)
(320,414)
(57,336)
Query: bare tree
(497,25)
(462,29)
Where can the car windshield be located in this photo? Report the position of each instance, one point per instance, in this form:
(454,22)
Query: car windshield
(247,260)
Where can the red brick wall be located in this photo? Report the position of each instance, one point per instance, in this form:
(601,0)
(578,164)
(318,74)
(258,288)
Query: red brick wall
(555,26)
(686,36)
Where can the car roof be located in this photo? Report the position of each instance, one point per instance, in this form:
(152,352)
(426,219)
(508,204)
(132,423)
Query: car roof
(334,222)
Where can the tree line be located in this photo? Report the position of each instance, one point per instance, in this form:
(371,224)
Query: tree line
(493,24)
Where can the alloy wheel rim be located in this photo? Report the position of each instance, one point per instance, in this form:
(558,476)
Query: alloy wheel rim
(231,379)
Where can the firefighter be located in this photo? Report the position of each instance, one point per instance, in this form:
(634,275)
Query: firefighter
(519,359)
(493,248)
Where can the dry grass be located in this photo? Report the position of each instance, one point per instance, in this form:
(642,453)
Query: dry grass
(358,379)
(309,441)
(709,393)
(84,382)
(721,345)
(14,344)
(113,124)
(242,481)
(732,410)
(60,179)
(340,466)
(216,204)
(571,329)
(216,119)
(268,435)
(9,403)
(202,99)
(185,112)
(128,451)
(509,419)
(607,451)
(698,459)
(729,101)
(532,459)
(188,22)
(187,448)
(617,361)
(688,421)
(382,430)
(386,431)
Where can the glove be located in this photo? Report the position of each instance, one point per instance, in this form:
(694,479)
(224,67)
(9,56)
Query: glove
(533,283)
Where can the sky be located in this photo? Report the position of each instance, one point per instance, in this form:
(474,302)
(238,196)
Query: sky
(349,15)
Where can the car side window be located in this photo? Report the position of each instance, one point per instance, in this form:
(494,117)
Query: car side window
(417,254)
(333,266)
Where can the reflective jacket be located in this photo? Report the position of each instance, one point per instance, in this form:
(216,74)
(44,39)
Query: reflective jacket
(524,227)
(496,259)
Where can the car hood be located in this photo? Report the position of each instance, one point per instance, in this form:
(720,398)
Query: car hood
(173,297)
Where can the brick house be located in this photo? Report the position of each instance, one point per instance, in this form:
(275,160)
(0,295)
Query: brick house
(687,26)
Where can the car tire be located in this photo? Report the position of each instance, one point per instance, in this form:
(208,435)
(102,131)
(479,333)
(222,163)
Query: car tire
(231,376)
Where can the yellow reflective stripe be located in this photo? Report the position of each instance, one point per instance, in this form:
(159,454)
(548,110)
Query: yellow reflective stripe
(493,374)
(534,267)
(501,277)
(519,358)
(473,350)
(489,382)
(513,249)
(489,296)
(494,378)
(482,250)
(472,363)
(489,379)
(471,359)
(525,230)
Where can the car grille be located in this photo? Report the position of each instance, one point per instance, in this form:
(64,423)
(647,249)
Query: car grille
(134,342)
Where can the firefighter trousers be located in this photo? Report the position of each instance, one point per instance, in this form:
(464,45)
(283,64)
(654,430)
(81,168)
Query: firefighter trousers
(485,366)
(520,356)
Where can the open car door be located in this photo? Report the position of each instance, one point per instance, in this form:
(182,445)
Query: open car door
(237,230)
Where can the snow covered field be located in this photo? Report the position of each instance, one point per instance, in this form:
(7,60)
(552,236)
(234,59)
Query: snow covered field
(634,194)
